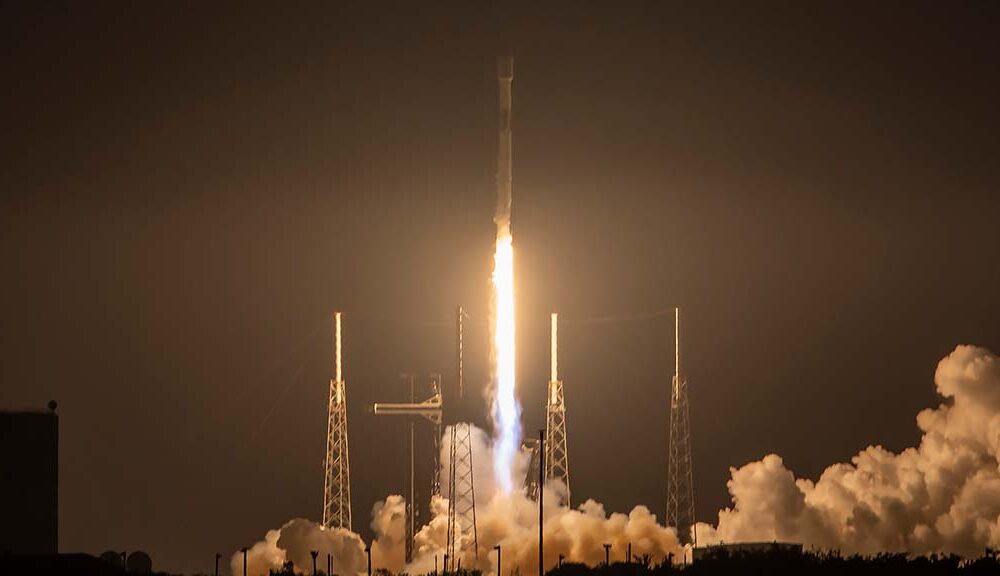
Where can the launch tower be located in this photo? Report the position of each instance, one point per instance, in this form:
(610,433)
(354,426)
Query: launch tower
(680,476)
(462,533)
(337,479)
(556,456)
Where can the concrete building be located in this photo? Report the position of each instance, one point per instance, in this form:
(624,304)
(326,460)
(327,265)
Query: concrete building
(29,482)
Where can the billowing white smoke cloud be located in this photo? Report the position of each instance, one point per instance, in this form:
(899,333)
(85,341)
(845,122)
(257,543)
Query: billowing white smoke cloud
(293,541)
(510,520)
(942,496)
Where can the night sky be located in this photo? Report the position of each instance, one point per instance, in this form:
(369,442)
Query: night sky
(189,193)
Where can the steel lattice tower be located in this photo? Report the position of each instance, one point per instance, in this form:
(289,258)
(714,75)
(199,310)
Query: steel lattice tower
(337,479)
(556,455)
(680,474)
(462,532)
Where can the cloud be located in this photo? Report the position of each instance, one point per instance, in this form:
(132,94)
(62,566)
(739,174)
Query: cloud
(940,496)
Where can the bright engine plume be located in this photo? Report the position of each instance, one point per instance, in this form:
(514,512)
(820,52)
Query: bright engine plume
(506,409)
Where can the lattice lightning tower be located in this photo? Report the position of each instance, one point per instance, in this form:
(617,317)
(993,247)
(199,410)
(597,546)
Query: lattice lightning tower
(462,533)
(556,455)
(680,476)
(337,479)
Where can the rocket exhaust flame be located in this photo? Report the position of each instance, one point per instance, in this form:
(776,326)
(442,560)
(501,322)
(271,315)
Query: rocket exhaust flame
(506,409)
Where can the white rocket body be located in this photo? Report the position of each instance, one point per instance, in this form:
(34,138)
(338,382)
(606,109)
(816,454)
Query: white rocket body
(505,76)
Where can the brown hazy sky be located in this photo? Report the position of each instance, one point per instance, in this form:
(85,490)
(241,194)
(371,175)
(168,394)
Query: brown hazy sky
(188,192)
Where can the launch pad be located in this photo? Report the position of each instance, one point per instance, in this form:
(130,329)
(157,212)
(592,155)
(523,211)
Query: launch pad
(547,457)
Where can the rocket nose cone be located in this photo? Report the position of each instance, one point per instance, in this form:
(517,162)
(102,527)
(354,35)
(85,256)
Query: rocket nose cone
(505,67)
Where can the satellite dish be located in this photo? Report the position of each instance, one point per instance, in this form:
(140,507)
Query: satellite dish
(112,557)
(139,563)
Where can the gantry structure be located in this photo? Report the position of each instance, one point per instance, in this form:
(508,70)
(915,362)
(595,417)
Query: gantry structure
(462,532)
(430,409)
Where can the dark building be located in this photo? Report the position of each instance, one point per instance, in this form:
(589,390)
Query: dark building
(58,564)
(29,482)
(745,548)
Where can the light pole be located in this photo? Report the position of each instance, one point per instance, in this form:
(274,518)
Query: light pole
(497,548)
(368,550)
(607,554)
(314,554)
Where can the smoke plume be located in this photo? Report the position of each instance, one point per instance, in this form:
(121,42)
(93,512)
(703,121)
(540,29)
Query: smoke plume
(294,541)
(506,519)
(940,496)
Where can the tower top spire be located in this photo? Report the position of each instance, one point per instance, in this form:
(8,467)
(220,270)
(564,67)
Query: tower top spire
(555,348)
(677,342)
(338,370)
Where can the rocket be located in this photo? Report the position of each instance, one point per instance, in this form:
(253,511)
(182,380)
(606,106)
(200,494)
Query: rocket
(505,75)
